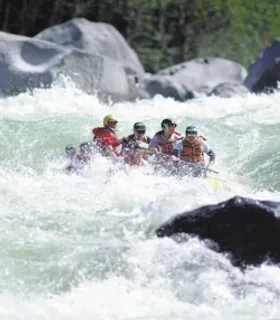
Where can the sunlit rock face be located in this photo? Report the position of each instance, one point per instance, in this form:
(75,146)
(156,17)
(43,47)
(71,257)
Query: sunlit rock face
(94,55)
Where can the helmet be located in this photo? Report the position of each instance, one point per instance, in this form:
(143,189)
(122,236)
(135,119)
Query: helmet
(108,118)
(191,131)
(85,147)
(139,126)
(69,149)
(167,122)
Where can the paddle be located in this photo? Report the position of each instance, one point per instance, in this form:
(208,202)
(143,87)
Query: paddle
(143,146)
(211,170)
(186,163)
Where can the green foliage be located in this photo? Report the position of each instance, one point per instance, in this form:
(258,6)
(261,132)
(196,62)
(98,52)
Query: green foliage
(163,32)
(253,25)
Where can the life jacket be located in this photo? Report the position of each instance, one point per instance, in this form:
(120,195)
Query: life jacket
(193,152)
(128,159)
(106,137)
(131,138)
(128,144)
(167,144)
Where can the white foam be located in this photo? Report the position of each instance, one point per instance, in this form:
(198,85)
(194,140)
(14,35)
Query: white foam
(83,246)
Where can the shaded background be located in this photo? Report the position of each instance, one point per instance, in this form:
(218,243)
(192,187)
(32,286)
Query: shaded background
(163,32)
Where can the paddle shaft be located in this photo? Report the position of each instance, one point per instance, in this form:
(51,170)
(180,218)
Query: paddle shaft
(211,170)
(183,162)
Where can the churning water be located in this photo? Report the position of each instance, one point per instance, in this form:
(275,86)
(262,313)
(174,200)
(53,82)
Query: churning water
(83,246)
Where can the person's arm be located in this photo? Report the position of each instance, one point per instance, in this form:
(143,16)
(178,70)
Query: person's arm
(124,144)
(153,146)
(212,156)
(207,149)
(153,142)
(177,149)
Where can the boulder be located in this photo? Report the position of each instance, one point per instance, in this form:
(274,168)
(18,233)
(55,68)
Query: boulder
(264,72)
(202,75)
(27,63)
(165,86)
(99,75)
(228,90)
(94,38)
(247,230)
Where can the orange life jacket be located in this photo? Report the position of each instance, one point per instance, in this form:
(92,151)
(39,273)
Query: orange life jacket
(167,144)
(193,152)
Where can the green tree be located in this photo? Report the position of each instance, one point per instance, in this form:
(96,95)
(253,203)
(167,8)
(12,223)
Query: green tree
(163,32)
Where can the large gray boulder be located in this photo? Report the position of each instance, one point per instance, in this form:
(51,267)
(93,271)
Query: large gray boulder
(94,38)
(27,63)
(165,86)
(202,75)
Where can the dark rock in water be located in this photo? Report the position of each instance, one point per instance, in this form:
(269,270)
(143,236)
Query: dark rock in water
(248,230)
(165,86)
(264,72)
(28,63)
(203,75)
(228,90)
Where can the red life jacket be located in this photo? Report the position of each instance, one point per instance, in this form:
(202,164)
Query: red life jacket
(130,160)
(106,137)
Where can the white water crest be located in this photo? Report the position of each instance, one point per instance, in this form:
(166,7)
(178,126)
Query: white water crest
(83,246)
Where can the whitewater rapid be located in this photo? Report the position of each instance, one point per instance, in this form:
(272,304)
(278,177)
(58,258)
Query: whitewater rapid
(83,246)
